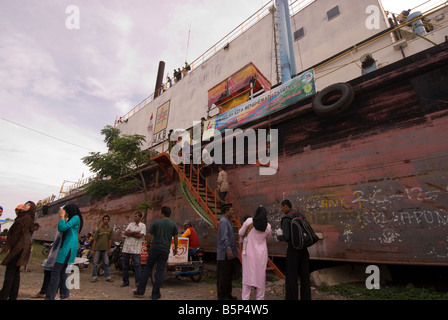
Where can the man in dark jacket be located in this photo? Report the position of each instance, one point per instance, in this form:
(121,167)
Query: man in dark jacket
(226,254)
(297,261)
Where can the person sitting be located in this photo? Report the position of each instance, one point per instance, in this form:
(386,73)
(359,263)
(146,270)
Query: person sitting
(190,233)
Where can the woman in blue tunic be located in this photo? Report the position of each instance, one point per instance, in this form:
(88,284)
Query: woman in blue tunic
(67,253)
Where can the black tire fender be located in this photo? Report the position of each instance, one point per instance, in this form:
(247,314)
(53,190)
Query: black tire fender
(333,100)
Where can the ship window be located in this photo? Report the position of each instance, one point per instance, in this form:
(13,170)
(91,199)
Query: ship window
(333,13)
(299,34)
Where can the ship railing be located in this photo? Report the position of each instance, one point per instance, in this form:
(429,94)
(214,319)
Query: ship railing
(320,68)
(295,6)
(74,187)
(191,174)
(355,49)
(45,201)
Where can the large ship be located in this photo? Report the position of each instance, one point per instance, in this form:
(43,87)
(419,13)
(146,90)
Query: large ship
(351,103)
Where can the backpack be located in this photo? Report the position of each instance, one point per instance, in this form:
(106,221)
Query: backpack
(302,234)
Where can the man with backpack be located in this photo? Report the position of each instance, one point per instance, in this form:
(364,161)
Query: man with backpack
(297,261)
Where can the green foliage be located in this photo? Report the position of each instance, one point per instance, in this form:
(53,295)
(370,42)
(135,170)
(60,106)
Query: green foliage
(410,292)
(110,134)
(118,171)
(143,206)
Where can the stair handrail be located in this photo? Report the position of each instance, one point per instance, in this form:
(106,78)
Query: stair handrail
(204,205)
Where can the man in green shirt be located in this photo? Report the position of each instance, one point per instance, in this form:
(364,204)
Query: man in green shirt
(102,240)
(161,233)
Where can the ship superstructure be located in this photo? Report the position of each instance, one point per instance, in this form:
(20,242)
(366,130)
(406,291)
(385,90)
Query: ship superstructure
(371,175)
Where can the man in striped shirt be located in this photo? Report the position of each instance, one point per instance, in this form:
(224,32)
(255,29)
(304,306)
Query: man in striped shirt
(135,235)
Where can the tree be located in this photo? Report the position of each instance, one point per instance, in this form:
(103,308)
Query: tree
(119,171)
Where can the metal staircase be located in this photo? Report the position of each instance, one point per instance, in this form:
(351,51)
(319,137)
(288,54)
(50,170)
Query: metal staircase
(205,200)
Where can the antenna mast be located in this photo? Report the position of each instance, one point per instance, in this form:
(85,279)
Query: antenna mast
(188,44)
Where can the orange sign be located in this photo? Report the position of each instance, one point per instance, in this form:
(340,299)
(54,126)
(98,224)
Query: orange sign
(144,253)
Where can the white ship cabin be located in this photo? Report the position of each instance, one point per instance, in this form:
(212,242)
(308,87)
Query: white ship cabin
(340,39)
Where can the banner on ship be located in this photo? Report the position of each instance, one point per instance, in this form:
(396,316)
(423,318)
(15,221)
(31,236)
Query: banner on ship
(270,102)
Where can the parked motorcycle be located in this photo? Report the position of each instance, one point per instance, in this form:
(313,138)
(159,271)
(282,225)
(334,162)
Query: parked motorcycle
(196,257)
(115,255)
(193,269)
(46,248)
(2,240)
(84,252)
(84,248)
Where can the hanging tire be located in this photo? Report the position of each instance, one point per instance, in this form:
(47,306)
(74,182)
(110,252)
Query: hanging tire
(333,99)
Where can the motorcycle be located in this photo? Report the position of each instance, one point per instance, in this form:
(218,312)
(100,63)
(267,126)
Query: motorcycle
(84,248)
(196,257)
(84,252)
(115,255)
(46,248)
(2,240)
(193,269)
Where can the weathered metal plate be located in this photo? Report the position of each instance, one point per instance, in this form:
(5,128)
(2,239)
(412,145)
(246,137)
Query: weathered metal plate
(373,180)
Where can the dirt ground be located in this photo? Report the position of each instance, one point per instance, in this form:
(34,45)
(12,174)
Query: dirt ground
(172,288)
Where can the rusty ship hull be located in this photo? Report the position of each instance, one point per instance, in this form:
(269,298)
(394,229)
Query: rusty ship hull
(373,180)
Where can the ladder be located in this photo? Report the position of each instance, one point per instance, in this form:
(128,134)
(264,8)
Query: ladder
(205,197)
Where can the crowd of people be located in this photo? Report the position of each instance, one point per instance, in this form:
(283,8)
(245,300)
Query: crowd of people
(253,237)
(177,75)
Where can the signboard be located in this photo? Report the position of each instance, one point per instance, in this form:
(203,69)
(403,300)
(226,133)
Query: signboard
(234,85)
(143,253)
(161,122)
(182,251)
(270,102)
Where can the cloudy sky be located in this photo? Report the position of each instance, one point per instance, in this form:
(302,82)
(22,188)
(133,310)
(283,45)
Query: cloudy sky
(60,87)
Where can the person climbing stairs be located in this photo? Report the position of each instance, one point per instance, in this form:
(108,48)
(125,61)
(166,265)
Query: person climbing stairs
(204,195)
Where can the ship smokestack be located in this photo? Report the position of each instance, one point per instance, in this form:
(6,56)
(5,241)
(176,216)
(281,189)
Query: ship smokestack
(159,81)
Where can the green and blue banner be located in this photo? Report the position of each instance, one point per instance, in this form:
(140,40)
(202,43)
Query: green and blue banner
(268,103)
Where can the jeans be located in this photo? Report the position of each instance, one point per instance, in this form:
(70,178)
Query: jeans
(96,258)
(135,264)
(58,280)
(46,283)
(161,259)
